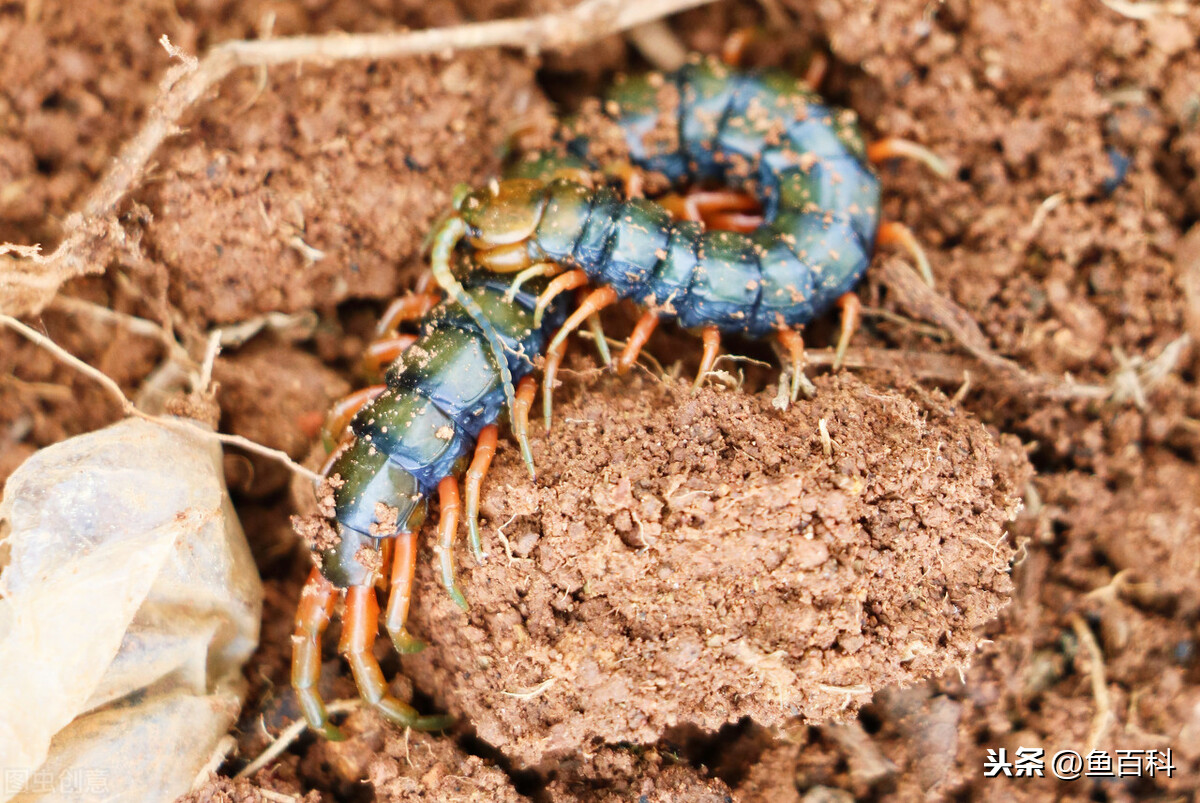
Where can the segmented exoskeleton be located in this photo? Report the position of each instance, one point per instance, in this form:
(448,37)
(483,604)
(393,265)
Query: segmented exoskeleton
(764,133)
(400,442)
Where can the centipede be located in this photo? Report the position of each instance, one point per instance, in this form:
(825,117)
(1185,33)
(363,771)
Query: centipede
(788,236)
(789,232)
(395,444)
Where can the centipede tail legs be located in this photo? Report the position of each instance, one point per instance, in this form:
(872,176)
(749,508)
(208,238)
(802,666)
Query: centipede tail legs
(360,623)
(312,617)
(385,467)
(485,450)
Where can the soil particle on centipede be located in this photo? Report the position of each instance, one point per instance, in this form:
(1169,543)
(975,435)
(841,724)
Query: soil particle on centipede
(698,559)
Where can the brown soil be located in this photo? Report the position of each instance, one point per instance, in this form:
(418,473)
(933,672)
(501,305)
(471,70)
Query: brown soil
(699,559)
(312,190)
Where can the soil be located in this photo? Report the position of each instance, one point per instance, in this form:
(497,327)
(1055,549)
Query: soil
(1067,233)
(654,576)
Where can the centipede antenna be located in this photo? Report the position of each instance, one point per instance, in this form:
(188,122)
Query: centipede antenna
(893,233)
(444,241)
(897,148)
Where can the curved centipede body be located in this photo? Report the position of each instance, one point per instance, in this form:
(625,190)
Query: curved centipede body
(400,443)
(763,133)
(760,131)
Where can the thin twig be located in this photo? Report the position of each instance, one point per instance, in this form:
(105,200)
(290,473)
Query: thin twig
(29,281)
(290,734)
(1104,713)
(1146,9)
(128,407)
(529,694)
(1128,383)
(659,45)
(277,797)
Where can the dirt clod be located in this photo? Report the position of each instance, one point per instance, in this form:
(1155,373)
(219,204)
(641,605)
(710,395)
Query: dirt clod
(815,583)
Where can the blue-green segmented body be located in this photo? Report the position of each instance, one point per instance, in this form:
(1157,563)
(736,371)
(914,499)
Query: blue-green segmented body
(763,132)
(440,394)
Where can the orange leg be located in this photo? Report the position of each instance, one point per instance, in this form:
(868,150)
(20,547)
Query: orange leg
(405,308)
(733,221)
(717,209)
(554,358)
(447,526)
(712,347)
(559,284)
(697,205)
(485,450)
(897,148)
(343,412)
(733,51)
(526,390)
(312,617)
(597,300)
(381,353)
(637,340)
(791,340)
(851,309)
(359,627)
(596,327)
(404,568)
(892,233)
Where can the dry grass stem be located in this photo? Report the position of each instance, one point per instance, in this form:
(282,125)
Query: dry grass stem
(290,734)
(128,407)
(1104,713)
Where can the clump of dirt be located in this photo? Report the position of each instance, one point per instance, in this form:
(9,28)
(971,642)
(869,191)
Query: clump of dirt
(291,190)
(615,774)
(277,396)
(285,197)
(698,559)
